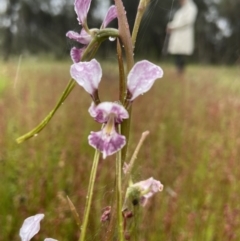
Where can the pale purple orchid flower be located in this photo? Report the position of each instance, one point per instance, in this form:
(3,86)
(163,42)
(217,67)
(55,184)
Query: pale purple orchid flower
(107,140)
(81,8)
(141,78)
(31,227)
(147,189)
(88,75)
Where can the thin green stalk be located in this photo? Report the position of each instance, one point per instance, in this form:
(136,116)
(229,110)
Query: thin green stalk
(89,195)
(45,121)
(141,10)
(132,161)
(119,195)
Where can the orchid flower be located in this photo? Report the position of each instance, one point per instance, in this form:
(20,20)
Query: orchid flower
(139,80)
(140,192)
(31,227)
(81,8)
(107,140)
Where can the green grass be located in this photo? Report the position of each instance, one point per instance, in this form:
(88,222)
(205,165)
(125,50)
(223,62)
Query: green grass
(193,148)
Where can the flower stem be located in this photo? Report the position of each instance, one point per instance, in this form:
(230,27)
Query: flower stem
(119,195)
(89,196)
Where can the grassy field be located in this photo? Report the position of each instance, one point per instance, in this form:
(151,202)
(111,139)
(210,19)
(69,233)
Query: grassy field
(193,148)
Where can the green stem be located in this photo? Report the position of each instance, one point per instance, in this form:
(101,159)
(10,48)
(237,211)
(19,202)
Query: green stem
(45,121)
(134,157)
(141,10)
(119,195)
(89,196)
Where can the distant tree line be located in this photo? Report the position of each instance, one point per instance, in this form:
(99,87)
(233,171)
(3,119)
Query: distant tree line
(40,26)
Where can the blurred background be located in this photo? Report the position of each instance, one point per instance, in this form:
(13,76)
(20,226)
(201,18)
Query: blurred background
(194,142)
(33,27)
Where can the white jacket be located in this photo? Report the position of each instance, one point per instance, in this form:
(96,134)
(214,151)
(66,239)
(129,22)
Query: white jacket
(181,39)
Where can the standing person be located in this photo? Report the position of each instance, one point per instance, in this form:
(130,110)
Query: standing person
(181,33)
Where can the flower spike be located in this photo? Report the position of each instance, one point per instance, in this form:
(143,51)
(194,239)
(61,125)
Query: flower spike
(87,74)
(141,78)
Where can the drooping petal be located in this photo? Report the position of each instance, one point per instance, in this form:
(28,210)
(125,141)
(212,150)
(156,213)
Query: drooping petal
(30,227)
(76,54)
(81,8)
(105,143)
(83,37)
(50,239)
(141,77)
(111,14)
(87,74)
(101,112)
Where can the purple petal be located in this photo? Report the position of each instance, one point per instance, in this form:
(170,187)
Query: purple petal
(87,74)
(76,54)
(81,8)
(141,77)
(30,227)
(102,111)
(83,37)
(111,14)
(105,143)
